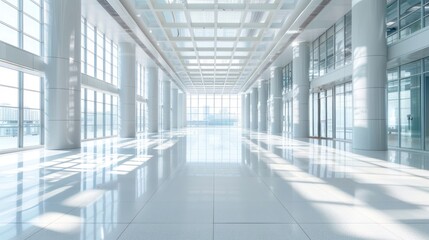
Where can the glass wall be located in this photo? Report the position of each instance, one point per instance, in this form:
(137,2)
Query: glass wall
(99,54)
(20,24)
(99,59)
(99,114)
(213,110)
(404,17)
(32,103)
(20,109)
(393,107)
(407,88)
(287,117)
(141,99)
(333,49)
(340,113)
(331,113)
(287,103)
(287,78)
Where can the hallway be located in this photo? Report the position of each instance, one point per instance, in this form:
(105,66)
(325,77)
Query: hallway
(213,183)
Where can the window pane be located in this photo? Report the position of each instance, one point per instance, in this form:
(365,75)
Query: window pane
(32,9)
(31,45)
(31,27)
(9,15)
(8,77)
(31,82)
(8,96)
(32,128)
(410,115)
(8,35)
(8,127)
(31,99)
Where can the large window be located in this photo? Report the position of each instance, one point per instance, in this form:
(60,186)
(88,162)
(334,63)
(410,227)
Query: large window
(393,107)
(20,109)
(20,24)
(405,118)
(288,78)
(99,54)
(141,101)
(329,107)
(333,49)
(404,17)
(213,110)
(287,117)
(99,114)
(31,110)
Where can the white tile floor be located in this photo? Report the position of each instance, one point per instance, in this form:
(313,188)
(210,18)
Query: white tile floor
(214,184)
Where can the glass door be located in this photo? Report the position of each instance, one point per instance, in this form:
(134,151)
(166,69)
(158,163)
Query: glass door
(426,108)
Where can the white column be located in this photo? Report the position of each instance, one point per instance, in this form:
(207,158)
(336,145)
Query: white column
(166,88)
(151,76)
(254,109)
(127,92)
(262,106)
(247,111)
(174,108)
(369,74)
(301,87)
(63,81)
(276,99)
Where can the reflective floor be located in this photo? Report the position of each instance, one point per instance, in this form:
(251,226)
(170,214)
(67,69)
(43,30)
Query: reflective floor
(214,183)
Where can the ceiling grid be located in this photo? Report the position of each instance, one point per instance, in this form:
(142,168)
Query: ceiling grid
(214,45)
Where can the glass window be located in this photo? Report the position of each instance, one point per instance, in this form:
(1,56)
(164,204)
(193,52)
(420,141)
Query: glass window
(30,30)
(392,22)
(31,118)
(322,55)
(32,9)
(8,35)
(115,115)
(340,112)
(330,50)
(426,93)
(349,110)
(100,114)
(322,99)
(348,51)
(213,109)
(329,120)
(90,117)
(410,116)
(410,23)
(11,112)
(316,115)
(9,15)
(393,108)
(339,43)
(316,59)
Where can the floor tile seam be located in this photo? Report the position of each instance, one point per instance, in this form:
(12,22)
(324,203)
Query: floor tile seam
(255,223)
(141,209)
(389,231)
(48,224)
(284,207)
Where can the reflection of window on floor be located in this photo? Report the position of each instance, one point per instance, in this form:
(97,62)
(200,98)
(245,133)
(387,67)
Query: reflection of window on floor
(213,110)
